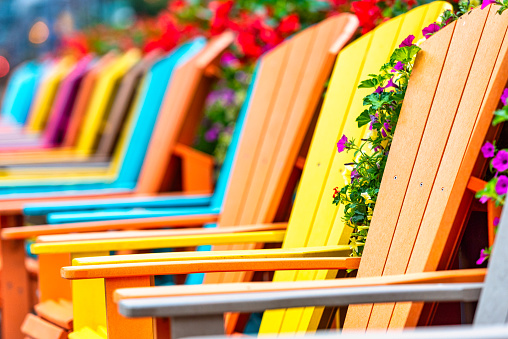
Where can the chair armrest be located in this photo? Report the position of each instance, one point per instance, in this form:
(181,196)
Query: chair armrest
(278,261)
(160,233)
(14,204)
(87,246)
(437,332)
(456,276)
(197,169)
(218,304)
(148,201)
(307,252)
(134,224)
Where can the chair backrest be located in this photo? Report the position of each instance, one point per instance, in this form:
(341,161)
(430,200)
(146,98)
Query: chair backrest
(102,99)
(454,89)
(181,112)
(127,91)
(282,100)
(84,96)
(136,136)
(314,220)
(20,90)
(46,95)
(64,101)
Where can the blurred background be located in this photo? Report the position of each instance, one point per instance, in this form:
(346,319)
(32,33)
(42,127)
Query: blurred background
(38,29)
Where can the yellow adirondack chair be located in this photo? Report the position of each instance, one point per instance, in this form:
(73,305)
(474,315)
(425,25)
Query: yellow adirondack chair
(305,229)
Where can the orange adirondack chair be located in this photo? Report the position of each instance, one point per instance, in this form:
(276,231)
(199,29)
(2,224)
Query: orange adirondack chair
(455,87)
(172,137)
(288,87)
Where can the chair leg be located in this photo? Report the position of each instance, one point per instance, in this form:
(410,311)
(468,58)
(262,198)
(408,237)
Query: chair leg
(15,288)
(120,327)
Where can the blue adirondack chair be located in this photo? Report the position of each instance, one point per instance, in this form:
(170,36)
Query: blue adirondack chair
(19,93)
(144,118)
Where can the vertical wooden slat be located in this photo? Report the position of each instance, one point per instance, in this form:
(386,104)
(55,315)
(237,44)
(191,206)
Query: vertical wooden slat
(411,124)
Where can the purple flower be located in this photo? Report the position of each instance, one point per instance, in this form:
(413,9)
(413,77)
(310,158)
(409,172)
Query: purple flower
(407,41)
(500,162)
(399,66)
(341,145)
(212,134)
(228,59)
(502,185)
(387,126)
(496,221)
(391,84)
(484,199)
(430,29)
(379,90)
(354,175)
(483,256)
(485,3)
(488,150)
(504,97)
(226,96)
(373,120)
(383,133)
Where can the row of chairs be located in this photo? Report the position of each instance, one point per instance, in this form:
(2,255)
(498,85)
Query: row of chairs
(427,190)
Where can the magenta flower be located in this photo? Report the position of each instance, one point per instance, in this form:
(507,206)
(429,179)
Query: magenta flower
(387,126)
(500,162)
(430,29)
(504,97)
(379,90)
(483,256)
(502,185)
(399,66)
(212,134)
(496,221)
(488,150)
(391,84)
(407,41)
(354,175)
(484,199)
(341,145)
(485,3)
(373,120)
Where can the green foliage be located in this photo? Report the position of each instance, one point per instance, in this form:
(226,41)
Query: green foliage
(370,155)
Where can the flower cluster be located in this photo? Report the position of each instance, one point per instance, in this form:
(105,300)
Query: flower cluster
(360,192)
(496,188)
(359,195)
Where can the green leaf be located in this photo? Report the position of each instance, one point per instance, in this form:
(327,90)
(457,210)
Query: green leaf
(369,83)
(500,116)
(363,119)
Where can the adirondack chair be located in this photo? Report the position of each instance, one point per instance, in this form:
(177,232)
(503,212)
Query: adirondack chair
(338,81)
(63,129)
(436,79)
(18,95)
(64,99)
(492,308)
(182,106)
(98,108)
(41,105)
(289,125)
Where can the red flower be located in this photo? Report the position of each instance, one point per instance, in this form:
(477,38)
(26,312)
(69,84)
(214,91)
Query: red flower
(289,24)
(368,14)
(248,45)
(220,19)
(176,5)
